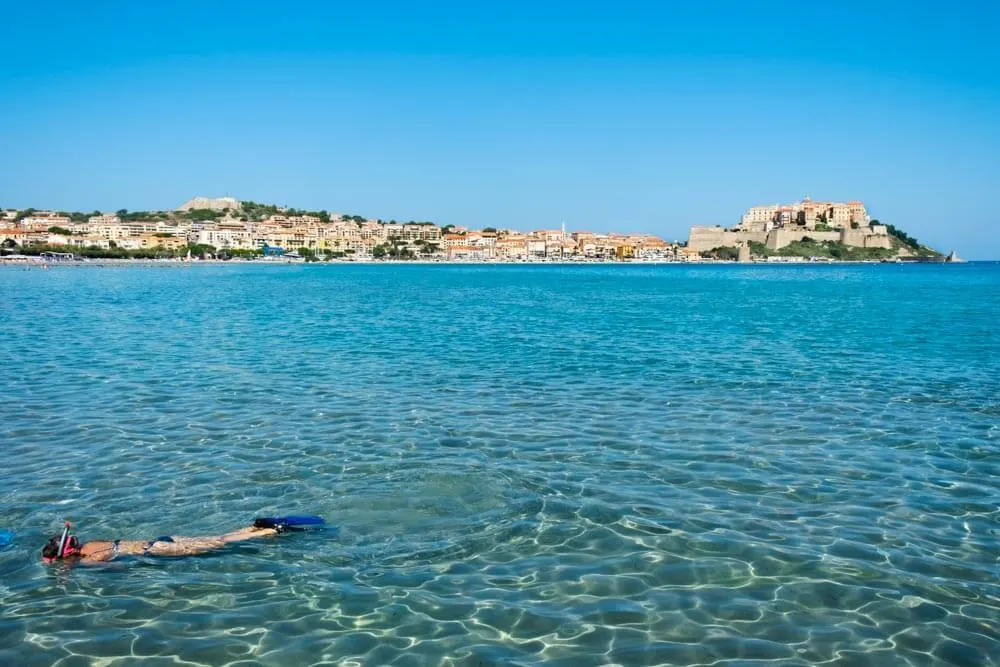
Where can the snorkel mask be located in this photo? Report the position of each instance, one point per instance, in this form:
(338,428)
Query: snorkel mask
(61,547)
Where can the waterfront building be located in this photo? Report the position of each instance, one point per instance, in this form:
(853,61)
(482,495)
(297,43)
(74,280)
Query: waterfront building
(511,247)
(88,241)
(469,253)
(152,240)
(598,246)
(288,239)
(653,248)
(22,237)
(226,239)
(688,254)
(535,247)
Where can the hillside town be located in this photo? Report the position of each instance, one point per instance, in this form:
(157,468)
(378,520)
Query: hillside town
(226,228)
(229,227)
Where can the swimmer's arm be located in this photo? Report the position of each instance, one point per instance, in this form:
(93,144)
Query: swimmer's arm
(250,533)
(97,552)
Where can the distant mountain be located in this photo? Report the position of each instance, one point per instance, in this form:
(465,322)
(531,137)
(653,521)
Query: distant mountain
(207,202)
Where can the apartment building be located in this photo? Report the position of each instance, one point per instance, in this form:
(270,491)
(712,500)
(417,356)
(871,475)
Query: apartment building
(759,218)
(413,232)
(226,239)
(104,219)
(511,247)
(44,220)
(373,231)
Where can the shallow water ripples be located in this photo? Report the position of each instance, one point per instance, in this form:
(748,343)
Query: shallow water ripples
(524,465)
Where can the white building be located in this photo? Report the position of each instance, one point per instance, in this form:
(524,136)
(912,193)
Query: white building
(45,219)
(760,217)
(104,219)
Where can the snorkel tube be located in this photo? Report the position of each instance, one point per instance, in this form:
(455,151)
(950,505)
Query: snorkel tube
(63,541)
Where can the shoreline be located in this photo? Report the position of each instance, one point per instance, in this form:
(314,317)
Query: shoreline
(35,262)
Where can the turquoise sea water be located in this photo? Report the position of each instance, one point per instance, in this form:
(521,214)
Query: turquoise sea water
(635,465)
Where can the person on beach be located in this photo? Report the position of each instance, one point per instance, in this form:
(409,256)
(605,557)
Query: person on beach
(67,547)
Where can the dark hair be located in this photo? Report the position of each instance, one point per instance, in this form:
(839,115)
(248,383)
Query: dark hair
(51,548)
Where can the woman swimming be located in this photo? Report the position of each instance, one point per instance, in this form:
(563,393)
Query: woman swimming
(68,547)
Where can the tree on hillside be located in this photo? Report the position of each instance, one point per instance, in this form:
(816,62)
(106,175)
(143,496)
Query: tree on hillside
(900,234)
(203,214)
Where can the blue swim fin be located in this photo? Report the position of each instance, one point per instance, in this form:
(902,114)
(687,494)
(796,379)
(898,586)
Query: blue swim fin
(292,522)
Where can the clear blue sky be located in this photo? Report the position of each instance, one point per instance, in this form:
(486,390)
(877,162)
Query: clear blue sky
(635,116)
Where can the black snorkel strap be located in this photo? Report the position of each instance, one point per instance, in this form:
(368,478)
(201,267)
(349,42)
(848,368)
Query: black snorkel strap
(63,541)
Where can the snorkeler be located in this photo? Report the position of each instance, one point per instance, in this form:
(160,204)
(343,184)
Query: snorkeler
(68,547)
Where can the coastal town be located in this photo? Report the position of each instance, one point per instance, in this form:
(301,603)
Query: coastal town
(226,228)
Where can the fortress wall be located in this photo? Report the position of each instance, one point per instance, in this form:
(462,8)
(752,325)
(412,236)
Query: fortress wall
(779,238)
(874,237)
(706,238)
(754,237)
(878,241)
(878,237)
(853,237)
